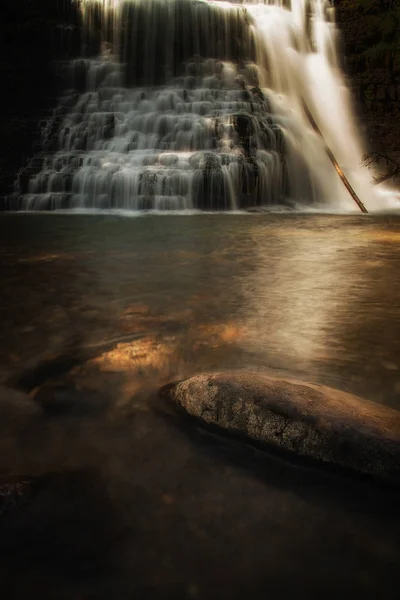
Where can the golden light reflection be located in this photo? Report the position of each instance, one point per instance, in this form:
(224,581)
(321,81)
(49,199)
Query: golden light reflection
(294,301)
(143,365)
(218,335)
(154,350)
(133,355)
(391,237)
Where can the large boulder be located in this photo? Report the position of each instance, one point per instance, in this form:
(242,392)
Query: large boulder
(309,420)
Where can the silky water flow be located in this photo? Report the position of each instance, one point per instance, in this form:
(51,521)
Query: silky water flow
(199,105)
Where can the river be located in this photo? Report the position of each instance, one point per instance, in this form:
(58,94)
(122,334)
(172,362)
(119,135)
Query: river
(315,296)
(127,499)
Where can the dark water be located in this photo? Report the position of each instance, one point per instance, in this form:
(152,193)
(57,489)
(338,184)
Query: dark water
(130,501)
(316,296)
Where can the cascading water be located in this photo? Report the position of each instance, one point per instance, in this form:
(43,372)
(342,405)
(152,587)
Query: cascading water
(198,104)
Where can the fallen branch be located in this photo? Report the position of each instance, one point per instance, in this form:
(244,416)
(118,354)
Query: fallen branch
(335,163)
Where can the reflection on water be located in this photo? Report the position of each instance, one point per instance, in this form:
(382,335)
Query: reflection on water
(307,292)
(312,296)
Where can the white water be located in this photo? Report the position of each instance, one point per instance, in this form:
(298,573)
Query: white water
(170,114)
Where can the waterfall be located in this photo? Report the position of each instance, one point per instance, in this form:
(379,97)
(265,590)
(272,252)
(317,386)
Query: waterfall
(199,105)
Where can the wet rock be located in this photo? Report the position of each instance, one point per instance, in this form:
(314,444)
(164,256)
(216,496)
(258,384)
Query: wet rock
(278,139)
(65,399)
(20,420)
(17,410)
(256,91)
(244,127)
(197,160)
(145,202)
(190,82)
(148,183)
(210,189)
(168,160)
(304,419)
(109,127)
(13,494)
(249,189)
(240,82)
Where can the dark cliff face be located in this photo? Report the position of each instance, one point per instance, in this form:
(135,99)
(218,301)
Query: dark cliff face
(371,35)
(37,36)
(34,36)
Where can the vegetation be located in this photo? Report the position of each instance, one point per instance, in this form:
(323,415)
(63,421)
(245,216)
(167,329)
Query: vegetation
(375,36)
(387,163)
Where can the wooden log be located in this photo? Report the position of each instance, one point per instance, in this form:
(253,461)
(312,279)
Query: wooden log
(335,163)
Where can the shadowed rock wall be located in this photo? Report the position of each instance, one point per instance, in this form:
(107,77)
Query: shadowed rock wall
(371,38)
(34,36)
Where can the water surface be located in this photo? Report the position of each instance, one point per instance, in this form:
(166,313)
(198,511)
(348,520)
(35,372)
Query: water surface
(313,296)
(126,499)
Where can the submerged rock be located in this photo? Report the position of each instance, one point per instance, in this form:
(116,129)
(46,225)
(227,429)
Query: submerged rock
(65,399)
(13,494)
(17,410)
(306,419)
